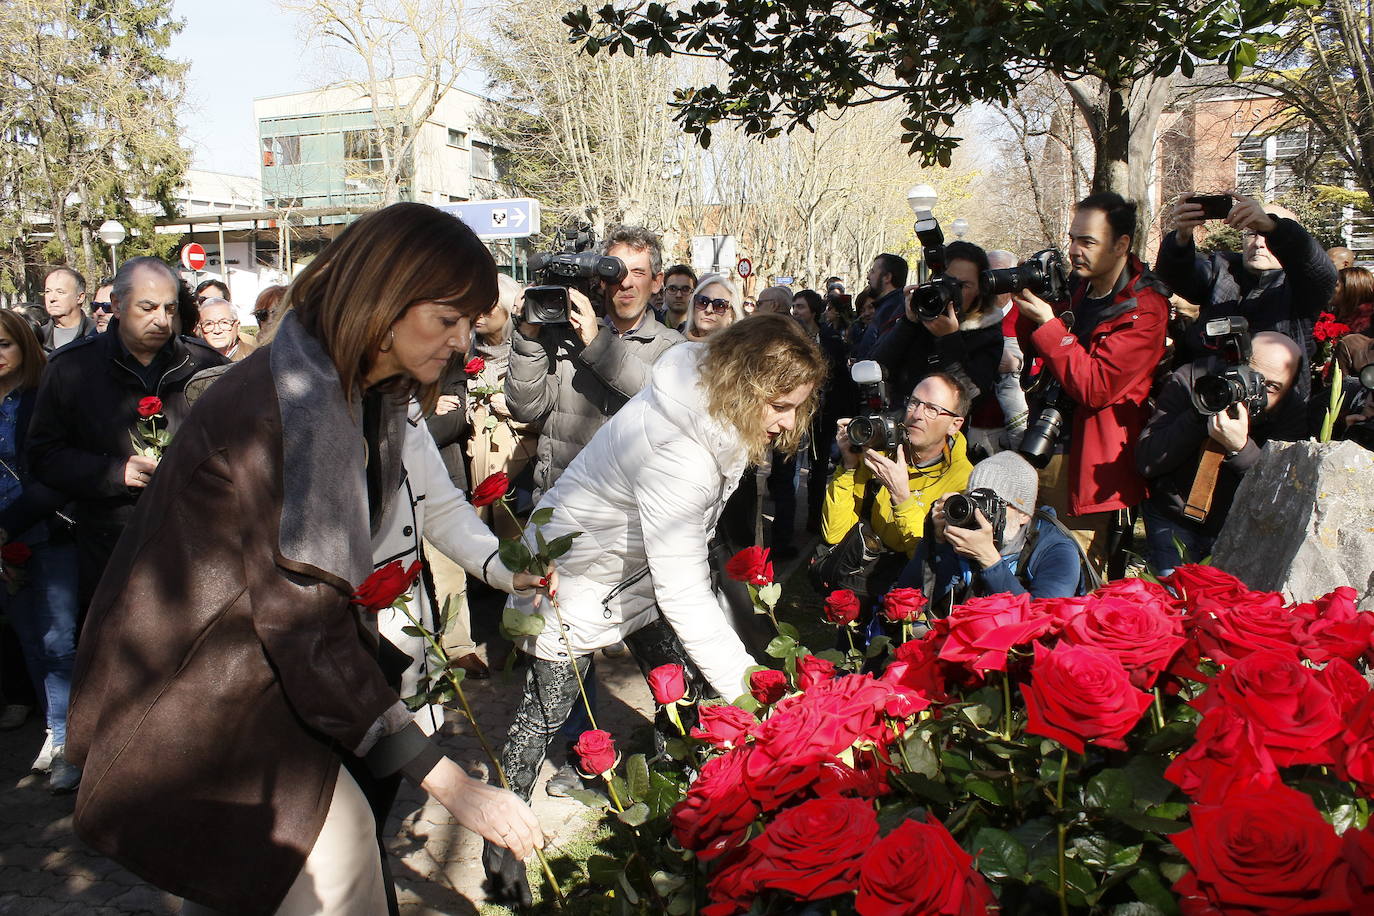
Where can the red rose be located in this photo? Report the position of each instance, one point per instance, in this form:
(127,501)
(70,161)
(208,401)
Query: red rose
(491,489)
(812,851)
(149,407)
(475,366)
(750,566)
(1353,749)
(723,726)
(1358,850)
(15,553)
(1061,610)
(1081,693)
(945,884)
(1192,579)
(903,605)
(768,686)
(981,631)
(668,684)
(1141,634)
(1231,625)
(1265,852)
(1225,758)
(717,806)
(916,666)
(1332,627)
(812,671)
(842,607)
(596,751)
(1293,713)
(382,588)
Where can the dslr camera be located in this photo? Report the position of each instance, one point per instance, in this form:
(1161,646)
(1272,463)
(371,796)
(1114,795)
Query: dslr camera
(880,429)
(930,299)
(575,267)
(960,509)
(1236,383)
(1056,409)
(1043,273)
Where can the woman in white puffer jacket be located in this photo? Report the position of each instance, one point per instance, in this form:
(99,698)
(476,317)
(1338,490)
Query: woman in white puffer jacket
(645,494)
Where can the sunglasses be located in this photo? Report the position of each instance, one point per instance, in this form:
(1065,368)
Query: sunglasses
(714,306)
(105,307)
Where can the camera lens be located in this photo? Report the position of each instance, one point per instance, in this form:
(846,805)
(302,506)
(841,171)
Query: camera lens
(1215,393)
(959,511)
(864,432)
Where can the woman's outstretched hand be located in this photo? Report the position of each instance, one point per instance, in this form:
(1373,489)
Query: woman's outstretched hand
(545,585)
(493,813)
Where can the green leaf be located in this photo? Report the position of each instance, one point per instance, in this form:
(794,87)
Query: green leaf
(786,629)
(603,870)
(1136,908)
(1000,855)
(1110,789)
(589,798)
(665,883)
(637,776)
(988,791)
(635,815)
(770,593)
(561,545)
(412,630)
(677,749)
(834,656)
(541,517)
(1148,785)
(515,556)
(662,795)
(877,647)
(1147,823)
(924,788)
(1094,850)
(782,647)
(515,624)
(1150,890)
(978,714)
(918,752)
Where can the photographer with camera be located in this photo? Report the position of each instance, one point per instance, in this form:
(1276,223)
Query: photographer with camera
(1099,347)
(1228,405)
(886,284)
(990,539)
(899,463)
(951,324)
(1280,282)
(572,377)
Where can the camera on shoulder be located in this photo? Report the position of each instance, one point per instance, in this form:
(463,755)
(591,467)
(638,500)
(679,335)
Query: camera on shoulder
(575,267)
(1236,383)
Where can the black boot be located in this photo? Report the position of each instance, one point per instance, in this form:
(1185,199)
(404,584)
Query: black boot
(506,882)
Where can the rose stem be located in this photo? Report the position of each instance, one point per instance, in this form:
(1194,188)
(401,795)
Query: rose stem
(1063,830)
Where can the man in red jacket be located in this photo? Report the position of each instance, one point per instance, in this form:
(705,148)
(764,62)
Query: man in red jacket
(1102,345)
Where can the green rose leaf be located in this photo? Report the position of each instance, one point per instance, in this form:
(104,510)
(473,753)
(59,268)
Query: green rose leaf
(1000,856)
(635,815)
(589,798)
(515,556)
(1110,789)
(541,517)
(637,776)
(515,624)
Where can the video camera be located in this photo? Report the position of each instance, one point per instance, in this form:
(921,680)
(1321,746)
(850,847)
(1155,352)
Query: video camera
(881,429)
(960,511)
(575,267)
(1237,383)
(1043,273)
(930,299)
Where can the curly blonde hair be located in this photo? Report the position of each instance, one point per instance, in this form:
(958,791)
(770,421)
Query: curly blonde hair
(751,362)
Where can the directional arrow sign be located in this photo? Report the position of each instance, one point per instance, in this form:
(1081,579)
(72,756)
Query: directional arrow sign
(512,218)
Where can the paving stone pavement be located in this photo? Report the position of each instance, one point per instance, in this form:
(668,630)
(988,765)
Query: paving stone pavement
(45,870)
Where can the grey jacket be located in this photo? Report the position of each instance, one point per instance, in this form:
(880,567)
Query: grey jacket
(572,390)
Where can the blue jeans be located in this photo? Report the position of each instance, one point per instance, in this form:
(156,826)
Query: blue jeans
(1160,533)
(43,614)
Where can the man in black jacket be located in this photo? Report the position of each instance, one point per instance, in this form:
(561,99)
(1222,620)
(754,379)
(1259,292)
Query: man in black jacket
(81,440)
(1280,283)
(1170,448)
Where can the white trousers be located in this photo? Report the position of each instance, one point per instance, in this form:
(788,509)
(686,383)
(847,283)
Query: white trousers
(342,876)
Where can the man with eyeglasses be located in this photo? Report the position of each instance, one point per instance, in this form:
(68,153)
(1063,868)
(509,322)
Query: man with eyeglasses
(219,327)
(1170,448)
(1280,282)
(930,462)
(64,290)
(678,283)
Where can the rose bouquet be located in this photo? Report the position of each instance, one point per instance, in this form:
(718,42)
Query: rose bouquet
(1189,746)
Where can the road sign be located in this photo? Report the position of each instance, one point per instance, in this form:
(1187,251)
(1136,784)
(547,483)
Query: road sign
(783,281)
(193,256)
(511,218)
(745,267)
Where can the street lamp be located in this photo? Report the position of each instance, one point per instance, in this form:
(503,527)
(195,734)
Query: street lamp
(959,227)
(921,199)
(112,232)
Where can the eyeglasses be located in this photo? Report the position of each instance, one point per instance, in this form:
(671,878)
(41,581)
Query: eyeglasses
(223,324)
(714,306)
(677,289)
(928,410)
(102,307)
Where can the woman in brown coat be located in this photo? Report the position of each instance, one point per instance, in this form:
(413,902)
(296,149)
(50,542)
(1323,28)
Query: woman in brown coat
(224,674)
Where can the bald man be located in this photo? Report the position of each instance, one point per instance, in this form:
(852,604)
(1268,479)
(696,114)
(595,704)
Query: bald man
(1170,448)
(1341,257)
(1279,282)
(775,299)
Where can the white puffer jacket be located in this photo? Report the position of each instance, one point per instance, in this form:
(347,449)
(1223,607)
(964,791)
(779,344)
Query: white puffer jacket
(646,493)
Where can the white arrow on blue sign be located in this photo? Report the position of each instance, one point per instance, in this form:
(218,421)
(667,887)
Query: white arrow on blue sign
(511,218)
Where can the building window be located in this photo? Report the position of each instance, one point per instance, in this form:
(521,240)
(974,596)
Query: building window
(281,151)
(485,161)
(457,138)
(1268,166)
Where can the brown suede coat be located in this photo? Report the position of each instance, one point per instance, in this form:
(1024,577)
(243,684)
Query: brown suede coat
(218,682)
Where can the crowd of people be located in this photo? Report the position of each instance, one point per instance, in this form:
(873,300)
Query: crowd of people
(167,596)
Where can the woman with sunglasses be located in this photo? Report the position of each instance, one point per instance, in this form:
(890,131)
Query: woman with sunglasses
(715,305)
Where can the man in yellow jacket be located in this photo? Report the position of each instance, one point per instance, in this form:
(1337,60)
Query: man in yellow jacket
(933,461)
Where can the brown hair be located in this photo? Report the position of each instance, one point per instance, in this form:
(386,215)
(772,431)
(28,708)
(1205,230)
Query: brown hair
(16,327)
(749,363)
(1354,287)
(389,260)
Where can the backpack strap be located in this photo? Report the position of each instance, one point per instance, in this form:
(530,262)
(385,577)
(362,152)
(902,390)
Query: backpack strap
(1087,573)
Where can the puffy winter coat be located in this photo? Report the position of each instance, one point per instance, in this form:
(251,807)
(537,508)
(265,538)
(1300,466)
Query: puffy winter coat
(572,389)
(645,494)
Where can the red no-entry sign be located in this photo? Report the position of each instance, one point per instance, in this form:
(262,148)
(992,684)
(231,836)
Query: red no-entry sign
(192,256)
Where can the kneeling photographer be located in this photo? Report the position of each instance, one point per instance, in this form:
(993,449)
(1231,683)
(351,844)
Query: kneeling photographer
(1211,419)
(894,465)
(990,539)
(950,323)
